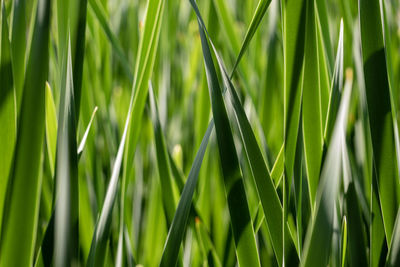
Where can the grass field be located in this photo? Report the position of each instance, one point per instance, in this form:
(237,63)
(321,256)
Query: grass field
(199,133)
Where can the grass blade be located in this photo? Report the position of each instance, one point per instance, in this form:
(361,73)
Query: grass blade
(21,217)
(242,227)
(8,114)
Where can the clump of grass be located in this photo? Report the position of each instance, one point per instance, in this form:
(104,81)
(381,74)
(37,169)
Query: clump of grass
(218,133)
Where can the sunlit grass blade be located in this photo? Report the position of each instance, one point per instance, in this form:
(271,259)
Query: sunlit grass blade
(8,108)
(85,135)
(344,241)
(379,111)
(336,89)
(319,234)
(243,233)
(51,128)
(312,121)
(393,258)
(21,217)
(255,22)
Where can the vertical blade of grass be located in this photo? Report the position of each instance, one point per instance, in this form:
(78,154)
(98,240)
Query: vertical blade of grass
(312,122)
(379,110)
(66,236)
(168,187)
(344,241)
(8,114)
(18,44)
(144,66)
(320,230)
(19,228)
(51,128)
(243,233)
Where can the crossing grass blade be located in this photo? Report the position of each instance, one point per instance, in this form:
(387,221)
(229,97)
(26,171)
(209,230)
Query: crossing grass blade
(393,258)
(144,66)
(21,217)
(243,233)
(85,135)
(255,22)
(8,114)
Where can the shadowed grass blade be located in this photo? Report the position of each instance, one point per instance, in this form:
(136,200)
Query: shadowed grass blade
(8,114)
(243,233)
(21,217)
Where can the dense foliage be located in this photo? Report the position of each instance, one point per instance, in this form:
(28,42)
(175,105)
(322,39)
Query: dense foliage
(199,133)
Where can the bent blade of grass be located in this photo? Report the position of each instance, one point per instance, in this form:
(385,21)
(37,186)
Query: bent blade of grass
(255,22)
(243,233)
(319,234)
(312,121)
(19,228)
(8,114)
(379,111)
(144,66)
(271,204)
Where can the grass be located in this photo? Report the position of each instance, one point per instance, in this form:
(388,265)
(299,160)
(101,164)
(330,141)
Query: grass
(209,133)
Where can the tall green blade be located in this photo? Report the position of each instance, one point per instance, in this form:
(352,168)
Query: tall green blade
(312,121)
(393,258)
(21,217)
(243,233)
(319,234)
(8,114)
(379,110)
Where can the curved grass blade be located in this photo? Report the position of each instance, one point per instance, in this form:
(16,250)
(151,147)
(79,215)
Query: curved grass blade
(379,111)
(243,233)
(319,234)
(255,22)
(21,217)
(8,114)
(269,198)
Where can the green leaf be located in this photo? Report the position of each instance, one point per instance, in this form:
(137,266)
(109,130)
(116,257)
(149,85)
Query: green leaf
(8,114)
(312,121)
(21,217)
(51,128)
(255,22)
(379,110)
(393,258)
(169,190)
(319,234)
(85,135)
(243,233)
